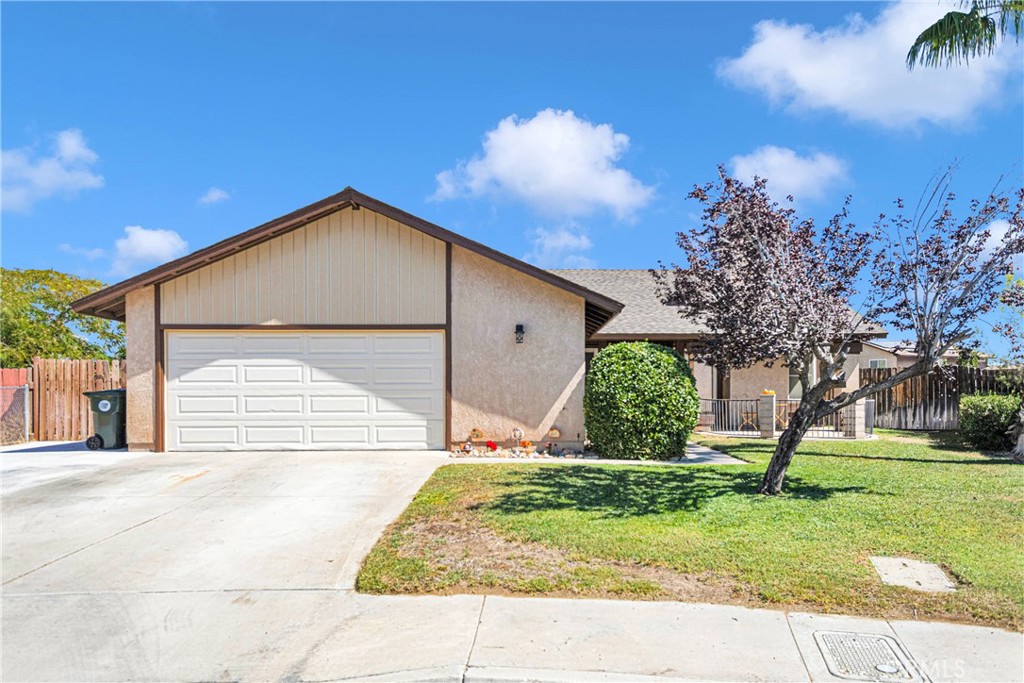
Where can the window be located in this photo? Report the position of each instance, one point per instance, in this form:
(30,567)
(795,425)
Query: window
(877,364)
(795,390)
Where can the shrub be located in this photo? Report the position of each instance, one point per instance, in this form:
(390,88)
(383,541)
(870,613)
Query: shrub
(985,420)
(640,402)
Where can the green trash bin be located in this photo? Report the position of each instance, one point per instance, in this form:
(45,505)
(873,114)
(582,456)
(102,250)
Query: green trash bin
(108,417)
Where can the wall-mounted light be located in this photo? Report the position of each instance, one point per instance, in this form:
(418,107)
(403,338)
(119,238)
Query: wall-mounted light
(520,333)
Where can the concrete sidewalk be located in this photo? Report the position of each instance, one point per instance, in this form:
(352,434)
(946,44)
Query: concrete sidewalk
(331,635)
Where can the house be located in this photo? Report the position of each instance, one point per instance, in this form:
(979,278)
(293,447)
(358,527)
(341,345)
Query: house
(892,353)
(350,324)
(645,317)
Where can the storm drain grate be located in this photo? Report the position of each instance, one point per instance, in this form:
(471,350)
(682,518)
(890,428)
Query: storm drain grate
(866,657)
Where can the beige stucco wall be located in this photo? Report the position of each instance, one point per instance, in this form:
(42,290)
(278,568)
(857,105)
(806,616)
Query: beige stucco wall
(497,384)
(140,361)
(869,352)
(750,382)
(349,267)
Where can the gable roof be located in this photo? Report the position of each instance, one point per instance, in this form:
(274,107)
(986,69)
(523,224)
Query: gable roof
(644,316)
(109,302)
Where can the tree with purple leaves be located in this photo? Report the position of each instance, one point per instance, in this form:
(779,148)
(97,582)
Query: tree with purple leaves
(772,288)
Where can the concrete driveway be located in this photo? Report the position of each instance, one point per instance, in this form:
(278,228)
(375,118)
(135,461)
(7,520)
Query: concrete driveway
(190,566)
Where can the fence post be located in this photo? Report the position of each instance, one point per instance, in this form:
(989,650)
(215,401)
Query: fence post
(28,414)
(766,415)
(853,425)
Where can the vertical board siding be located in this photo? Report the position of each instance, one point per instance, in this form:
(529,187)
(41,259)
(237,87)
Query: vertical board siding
(59,410)
(347,268)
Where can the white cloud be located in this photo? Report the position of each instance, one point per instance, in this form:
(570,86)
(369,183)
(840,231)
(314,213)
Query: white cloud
(857,69)
(559,248)
(29,177)
(84,252)
(141,247)
(556,162)
(214,195)
(788,173)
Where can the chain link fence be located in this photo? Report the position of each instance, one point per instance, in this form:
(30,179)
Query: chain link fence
(15,415)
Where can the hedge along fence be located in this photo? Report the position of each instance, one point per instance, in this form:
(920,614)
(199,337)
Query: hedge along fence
(986,420)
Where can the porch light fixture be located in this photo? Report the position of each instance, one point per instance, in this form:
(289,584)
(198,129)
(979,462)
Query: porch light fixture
(520,333)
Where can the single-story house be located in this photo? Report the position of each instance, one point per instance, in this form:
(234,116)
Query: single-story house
(350,324)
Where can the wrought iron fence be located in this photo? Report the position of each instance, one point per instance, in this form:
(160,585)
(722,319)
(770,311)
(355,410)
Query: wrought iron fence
(15,415)
(735,415)
(740,417)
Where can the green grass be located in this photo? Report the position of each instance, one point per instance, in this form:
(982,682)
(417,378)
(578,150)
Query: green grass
(702,533)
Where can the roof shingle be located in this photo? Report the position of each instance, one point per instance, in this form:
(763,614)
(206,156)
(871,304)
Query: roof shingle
(643,314)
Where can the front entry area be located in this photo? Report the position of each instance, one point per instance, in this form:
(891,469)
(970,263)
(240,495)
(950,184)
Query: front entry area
(304,390)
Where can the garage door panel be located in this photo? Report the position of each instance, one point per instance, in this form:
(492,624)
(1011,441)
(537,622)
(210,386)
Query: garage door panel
(292,346)
(204,345)
(340,437)
(404,344)
(401,435)
(204,374)
(407,406)
(206,436)
(273,404)
(264,434)
(333,390)
(191,404)
(351,406)
(339,345)
(406,374)
(277,374)
(333,374)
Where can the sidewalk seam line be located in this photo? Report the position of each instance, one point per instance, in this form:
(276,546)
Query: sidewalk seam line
(476,633)
(803,660)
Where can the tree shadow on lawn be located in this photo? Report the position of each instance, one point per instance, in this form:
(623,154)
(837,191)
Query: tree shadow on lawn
(638,491)
(987,458)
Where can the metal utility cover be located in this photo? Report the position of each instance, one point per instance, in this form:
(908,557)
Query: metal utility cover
(866,657)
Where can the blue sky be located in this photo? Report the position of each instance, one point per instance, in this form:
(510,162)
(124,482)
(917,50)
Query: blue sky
(567,134)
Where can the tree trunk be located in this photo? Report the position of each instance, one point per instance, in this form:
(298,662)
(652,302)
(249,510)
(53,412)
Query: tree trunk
(801,421)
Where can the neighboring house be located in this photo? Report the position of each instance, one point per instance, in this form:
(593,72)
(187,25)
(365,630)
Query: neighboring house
(350,324)
(645,317)
(886,353)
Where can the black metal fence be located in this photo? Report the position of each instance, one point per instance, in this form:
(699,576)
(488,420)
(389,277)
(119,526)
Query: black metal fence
(739,417)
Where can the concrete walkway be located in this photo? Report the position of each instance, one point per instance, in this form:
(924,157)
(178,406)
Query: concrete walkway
(696,454)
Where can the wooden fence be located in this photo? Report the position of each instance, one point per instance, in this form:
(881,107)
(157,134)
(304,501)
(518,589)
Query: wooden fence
(59,410)
(932,401)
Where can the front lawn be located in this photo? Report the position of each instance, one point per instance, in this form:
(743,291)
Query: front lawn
(700,533)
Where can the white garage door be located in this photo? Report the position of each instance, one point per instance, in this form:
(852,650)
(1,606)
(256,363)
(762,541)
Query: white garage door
(304,390)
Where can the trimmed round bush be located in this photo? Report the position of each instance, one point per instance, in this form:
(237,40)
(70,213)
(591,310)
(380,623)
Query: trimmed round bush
(985,420)
(640,402)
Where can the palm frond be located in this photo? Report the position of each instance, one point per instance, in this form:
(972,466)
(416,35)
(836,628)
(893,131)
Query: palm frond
(955,38)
